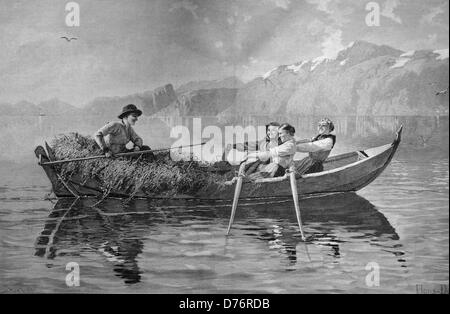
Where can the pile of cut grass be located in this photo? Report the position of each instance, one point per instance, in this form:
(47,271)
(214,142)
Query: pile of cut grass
(161,176)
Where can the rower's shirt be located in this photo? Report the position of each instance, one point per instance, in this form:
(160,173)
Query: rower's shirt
(116,135)
(282,155)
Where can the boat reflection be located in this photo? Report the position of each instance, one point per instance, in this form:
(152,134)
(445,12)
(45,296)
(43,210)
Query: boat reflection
(328,221)
(118,231)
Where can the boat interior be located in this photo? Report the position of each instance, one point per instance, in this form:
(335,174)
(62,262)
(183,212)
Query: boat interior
(338,161)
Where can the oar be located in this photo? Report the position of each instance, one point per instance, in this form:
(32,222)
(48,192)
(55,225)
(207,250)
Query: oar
(296,203)
(303,141)
(56,162)
(237,193)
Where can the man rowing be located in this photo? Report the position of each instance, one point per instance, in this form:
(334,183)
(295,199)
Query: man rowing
(281,156)
(319,148)
(114,136)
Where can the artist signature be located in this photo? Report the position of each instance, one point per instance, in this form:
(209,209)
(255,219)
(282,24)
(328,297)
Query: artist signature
(16,290)
(440,289)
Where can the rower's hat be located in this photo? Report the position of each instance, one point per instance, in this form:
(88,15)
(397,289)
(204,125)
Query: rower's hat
(129,109)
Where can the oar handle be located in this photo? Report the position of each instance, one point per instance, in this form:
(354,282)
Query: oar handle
(57,162)
(303,141)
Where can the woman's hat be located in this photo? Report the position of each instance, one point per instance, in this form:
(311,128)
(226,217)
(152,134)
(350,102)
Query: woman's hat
(128,109)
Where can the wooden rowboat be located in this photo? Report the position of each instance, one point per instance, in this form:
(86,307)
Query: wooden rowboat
(347,172)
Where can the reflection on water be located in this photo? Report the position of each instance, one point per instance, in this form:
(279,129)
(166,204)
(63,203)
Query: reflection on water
(118,233)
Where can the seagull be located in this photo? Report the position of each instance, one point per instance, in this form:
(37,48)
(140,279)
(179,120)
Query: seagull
(438,93)
(69,39)
(442,92)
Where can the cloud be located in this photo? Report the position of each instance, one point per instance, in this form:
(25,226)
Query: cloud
(252,60)
(322,5)
(218,44)
(331,31)
(334,10)
(316,27)
(432,39)
(230,20)
(247,17)
(284,4)
(206,20)
(331,37)
(332,43)
(388,10)
(186,5)
(428,18)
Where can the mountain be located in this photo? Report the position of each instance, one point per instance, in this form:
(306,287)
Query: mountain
(229,83)
(150,102)
(160,98)
(364,79)
(208,102)
(57,107)
(164,101)
(49,107)
(25,108)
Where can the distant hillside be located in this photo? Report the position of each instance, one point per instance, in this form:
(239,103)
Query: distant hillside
(57,107)
(164,101)
(204,102)
(150,102)
(364,79)
(229,83)
(49,107)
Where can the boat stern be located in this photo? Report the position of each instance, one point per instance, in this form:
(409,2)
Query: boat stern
(58,187)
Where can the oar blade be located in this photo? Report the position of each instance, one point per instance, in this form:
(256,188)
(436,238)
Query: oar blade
(296,202)
(237,193)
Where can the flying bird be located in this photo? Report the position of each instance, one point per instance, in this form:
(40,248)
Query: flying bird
(69,39)
(442,92)
(438,93)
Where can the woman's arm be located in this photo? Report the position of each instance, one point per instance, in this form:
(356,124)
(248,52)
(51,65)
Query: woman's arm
(316,146)
(247,146)
(285,149)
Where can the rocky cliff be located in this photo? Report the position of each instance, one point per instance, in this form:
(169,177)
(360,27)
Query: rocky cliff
(150,102)
(229,83)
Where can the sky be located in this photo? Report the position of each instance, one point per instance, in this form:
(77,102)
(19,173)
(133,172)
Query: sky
(127,47)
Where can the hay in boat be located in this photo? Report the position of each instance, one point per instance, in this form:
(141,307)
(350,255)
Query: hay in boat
(162,176)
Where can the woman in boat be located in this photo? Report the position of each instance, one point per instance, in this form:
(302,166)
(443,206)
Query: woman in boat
(319,148)
(113,137)
(270,141)
(280,157)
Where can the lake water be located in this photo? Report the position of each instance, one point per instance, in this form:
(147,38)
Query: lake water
(399,223)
